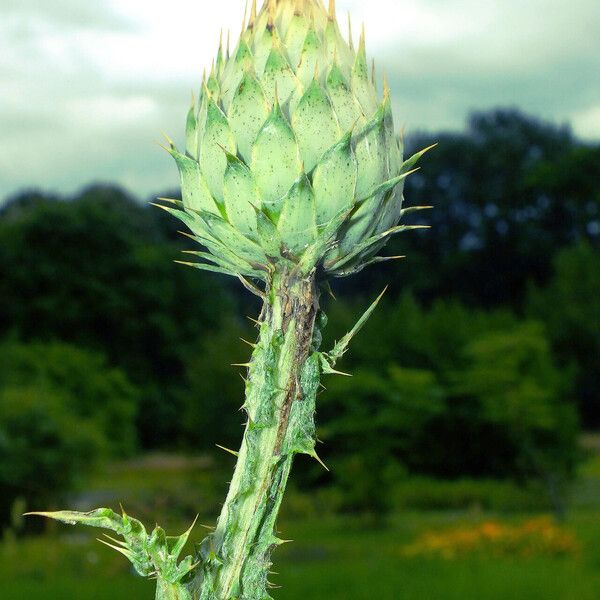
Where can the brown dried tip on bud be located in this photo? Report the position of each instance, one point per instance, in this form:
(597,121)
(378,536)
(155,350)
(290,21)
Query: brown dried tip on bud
(350,35)
(271,9)
(331,10)
(245,16)
(386,87)
(252,15)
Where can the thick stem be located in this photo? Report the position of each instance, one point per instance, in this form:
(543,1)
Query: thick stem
(167,591)
(280,398)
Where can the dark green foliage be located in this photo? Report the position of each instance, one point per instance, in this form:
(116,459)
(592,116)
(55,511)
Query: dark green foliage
(570,307)
(508,193)
(96,271)
(214,389)
(61,410)
(370,423)
(519,389)
(479,394)
(44,448)
(92,391)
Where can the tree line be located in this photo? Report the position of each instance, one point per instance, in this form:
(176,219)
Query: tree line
(483,359)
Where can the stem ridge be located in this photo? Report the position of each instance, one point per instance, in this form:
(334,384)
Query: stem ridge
(283,379)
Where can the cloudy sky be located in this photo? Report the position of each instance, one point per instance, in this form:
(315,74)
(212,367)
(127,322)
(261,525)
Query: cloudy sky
(86,86)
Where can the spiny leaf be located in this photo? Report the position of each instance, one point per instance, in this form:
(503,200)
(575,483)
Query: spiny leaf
(322,244)
(414,159)
(368,244)
(206,267)
(342,346)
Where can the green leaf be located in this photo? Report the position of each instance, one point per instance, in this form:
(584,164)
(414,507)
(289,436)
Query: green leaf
(191,219)
(388,185)
(217,136)
(276,161)
(312,54)
(234,72)
(231,238)
(209,268)
(415,158)
(379,211)
(191,131)
(194,190)
(134,548)
(336,264)
(236,266)
(262,49)
(247,114)
(324,241)
(298,220)
(371,154)
(241,195)
(341,347)
(226,258)
(294,38)
(394,156)
(151,555)
(268,235)
(345,104)
(334,181)
(362,88)
(279,81)
(104,518)
(315,125)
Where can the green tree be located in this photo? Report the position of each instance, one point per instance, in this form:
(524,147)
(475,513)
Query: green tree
(92,272)
(516,388)
(370,423)
(214,389)
(45,449)
(62,410)
(570,308)
(89,390)
(504,408)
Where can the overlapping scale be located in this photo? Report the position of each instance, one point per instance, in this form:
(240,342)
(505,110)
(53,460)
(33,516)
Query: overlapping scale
(276,161)
(315,125)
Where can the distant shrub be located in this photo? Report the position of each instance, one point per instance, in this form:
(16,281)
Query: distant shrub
(570,308)
(467,394)
(369,423)
(45,448)
(61,411)
(535,537)
(89,388)
(426,493)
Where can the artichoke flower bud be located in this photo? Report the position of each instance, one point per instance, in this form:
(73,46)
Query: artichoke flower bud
(291,157)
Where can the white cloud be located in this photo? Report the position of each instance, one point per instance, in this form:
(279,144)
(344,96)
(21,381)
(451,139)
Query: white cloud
(86,87)
(110,111)
(587,122)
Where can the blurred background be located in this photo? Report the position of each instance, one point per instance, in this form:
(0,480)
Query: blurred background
(465,450)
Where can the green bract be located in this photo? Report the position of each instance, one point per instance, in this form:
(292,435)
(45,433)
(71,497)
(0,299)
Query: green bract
(291,156)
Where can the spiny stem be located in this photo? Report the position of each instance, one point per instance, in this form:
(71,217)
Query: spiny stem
(167,591)
(280,397)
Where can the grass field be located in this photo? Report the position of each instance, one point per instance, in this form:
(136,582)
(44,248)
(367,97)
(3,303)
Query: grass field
(331,558)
